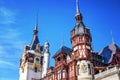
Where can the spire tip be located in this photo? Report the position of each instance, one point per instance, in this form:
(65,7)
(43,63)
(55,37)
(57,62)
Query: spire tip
(113,42)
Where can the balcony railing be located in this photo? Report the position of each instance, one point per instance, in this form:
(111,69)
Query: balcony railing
(108,72)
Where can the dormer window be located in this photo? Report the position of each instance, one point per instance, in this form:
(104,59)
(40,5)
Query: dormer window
(58,59)
(64,57)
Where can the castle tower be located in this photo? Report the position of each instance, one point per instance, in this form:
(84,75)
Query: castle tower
(61,66)
(31,61)
(81,44)
(45,59)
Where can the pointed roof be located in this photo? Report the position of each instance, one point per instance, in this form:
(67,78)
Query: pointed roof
(63,49)
(35,39)
(79,26)
(108,52)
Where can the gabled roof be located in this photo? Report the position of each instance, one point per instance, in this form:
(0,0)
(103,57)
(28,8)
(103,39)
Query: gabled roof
(63,49)
(108,52)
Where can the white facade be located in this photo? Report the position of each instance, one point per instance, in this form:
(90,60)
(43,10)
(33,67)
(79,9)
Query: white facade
(84,70)
(30,68)
(46,59)
(109,74)
(28,73)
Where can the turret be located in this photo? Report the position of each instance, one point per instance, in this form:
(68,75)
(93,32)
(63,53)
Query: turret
(31,61)
(45,59)
(81,43)
(80,37)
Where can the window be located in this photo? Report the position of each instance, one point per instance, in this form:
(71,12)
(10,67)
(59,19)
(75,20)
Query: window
(87,39)
(64,57)
(88,51)
(59,74)
(37,59)
(80,39)
(63,73)
(89,69)
(58,59)
(35,69)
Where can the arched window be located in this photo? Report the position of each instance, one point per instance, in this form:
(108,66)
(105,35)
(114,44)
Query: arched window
(35,69)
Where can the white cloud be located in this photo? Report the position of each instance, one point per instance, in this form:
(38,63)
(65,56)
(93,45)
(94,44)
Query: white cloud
(7,16)
(6,63)
(9,34)
(10,42)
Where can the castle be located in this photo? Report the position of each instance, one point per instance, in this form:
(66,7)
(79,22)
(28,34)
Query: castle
(78,63)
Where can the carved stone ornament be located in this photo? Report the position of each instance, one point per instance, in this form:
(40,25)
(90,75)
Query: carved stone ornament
(83,68)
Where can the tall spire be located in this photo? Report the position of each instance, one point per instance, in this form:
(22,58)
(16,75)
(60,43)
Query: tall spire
(77,8)
(36,26)
(113,42)
(35,39)
(78,15)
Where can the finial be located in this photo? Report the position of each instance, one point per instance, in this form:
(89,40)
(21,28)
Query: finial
(77,8)
(36,26)
(112,38)
(78,15)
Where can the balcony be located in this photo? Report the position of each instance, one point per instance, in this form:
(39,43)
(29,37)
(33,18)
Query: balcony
(108,72)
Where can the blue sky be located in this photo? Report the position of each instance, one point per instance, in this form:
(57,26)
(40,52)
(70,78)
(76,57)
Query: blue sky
(56,20)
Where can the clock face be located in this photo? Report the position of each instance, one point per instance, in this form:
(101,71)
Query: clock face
(37,59)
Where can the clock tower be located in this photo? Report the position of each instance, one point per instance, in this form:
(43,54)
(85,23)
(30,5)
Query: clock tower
(81,43)
(31,61)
